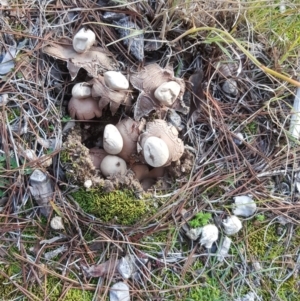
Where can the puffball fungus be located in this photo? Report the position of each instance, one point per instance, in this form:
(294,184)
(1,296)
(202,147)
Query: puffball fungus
(113,165)
(151,81)
(130,131)
(244,206)
(232,225)
(116,80)
(167,93)
(81,90)
(112,140)
(209,235)
(84,109)
(83,40)
(155,151)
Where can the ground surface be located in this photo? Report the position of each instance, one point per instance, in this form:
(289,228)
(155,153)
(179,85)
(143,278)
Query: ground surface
(253,46)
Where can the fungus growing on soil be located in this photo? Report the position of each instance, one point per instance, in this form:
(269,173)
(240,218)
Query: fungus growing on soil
(160,144)
(159,90)
(108,96)
(112,140)
(130,131)
(115,80)
(113,165)
(81,90)
(94,61)
(97,155)
(147,177)
(84,109)
(83,40)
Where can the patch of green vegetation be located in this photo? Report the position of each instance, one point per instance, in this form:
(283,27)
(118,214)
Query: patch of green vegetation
(279,29)
(200,219)
(263,242)
(260,217)
(120,207)
(78,294)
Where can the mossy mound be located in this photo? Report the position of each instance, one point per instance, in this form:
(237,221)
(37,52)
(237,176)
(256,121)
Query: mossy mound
(121,207)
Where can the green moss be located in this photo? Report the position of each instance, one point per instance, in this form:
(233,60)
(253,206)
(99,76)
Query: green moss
(78,294)
(120,207)
(262,241)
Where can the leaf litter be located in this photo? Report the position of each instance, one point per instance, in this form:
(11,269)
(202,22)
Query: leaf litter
(212,171)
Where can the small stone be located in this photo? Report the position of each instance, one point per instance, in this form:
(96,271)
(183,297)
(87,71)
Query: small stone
(244,206)
(248,297)
(224,249)
(209,235)
(126,266)
(119,292)
(57,223)
(88,184)
(230,87)
(194,233)
(3,99)
(232,225)
(239,139)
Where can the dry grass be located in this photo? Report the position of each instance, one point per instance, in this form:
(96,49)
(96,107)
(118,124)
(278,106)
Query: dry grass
(264,165)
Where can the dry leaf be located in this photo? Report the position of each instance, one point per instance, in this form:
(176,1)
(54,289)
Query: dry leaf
(94,61)
(147,81)
(109,96)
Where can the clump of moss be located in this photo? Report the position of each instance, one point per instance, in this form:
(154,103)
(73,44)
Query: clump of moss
(263,241)
(120,207)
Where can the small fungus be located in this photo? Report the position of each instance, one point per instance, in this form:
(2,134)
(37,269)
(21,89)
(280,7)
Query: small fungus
(160,144)
(81,90)
(115,80)
(84,109)
(83,40)
(112,140)
(108,96)
(130,131)
(113,165)
(167,93)
(159,90)
(97,155)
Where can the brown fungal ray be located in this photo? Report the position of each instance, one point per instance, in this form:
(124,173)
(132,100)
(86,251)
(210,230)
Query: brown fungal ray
(141,171)
(97,155)
(94,60)
(84,109)
(130,131)
(168,133)
(108,96)
(147,81)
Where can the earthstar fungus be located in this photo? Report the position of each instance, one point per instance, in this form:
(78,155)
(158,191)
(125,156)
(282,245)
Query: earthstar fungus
(160,144)
(83,40)
(159,90)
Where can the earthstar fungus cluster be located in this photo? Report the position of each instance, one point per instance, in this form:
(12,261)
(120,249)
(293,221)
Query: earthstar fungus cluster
(144,147)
